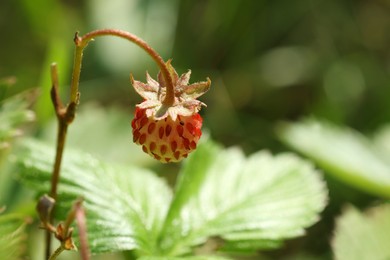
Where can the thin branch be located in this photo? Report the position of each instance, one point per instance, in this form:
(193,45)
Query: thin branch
(65,115)
(82,227)
(81,43)
(56,253)
(61,137)
(62,129)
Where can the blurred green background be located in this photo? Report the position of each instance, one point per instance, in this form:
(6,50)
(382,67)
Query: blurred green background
(268,61)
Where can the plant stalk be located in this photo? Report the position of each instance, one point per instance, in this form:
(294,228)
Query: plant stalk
(61,136)
(81,43)
(65,115)
(82,227)
(56,253)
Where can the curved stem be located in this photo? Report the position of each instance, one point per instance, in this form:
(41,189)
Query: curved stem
(65,114)
(82,227)
(81,43)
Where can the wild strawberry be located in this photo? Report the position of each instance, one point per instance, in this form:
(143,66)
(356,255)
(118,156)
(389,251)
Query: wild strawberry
(168,133)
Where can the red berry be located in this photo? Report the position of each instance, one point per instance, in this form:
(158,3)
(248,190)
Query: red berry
(166,140)
(168,132)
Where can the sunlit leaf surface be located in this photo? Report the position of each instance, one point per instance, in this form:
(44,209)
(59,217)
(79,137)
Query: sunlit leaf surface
(208,257)
(346,154)
(13,113)
(125,206)
(12,237)
(253,202)
(363,236)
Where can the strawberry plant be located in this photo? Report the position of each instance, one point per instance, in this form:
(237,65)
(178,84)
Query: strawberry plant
(262,133)
(224,203)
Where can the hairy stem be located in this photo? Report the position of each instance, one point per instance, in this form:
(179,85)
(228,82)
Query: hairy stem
(56,253)
(65,115)
(61,134)
(48,244)
(81,42)
(61,137)
(82,226)
(78,56)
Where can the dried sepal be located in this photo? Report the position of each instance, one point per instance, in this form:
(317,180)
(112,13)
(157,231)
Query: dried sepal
(64,235)
(184,78)
(147,91)
(194,90)
(168,130)
(185,102)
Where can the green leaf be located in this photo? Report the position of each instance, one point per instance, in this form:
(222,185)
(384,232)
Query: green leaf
(125,206)
(382,141)
(345,153)
(248,202)
(13,113)
(363,235)
(184,258)
(12,237)
(250,246)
